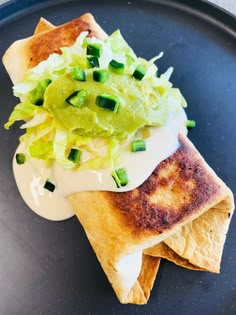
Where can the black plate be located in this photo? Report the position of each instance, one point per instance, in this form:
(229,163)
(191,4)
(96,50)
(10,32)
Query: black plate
(48,267)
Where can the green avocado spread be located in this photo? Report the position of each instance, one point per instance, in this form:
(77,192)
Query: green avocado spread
(60,106)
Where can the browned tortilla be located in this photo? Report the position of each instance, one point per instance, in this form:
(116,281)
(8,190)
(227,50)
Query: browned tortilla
(164,251)
(181,212)
(26,53)
(179,194)
(60,36)
(184,186)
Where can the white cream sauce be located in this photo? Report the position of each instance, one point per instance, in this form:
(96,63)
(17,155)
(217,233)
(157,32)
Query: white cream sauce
(32,175)
(30,179)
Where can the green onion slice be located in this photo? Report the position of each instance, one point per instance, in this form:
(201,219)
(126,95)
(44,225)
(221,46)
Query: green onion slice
(37,95)
(120,176)
(49,186)
(107,101)
(138,145)
(93,62)
(77,98)
(78,74)
(94,49)
(190,124)
(20,158)
(100,75)
(74,155)
(139,72)
(116,66)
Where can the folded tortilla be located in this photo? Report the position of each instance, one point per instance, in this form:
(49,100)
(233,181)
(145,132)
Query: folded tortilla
(198,245)
(173,205)
(34,49)
(181,212)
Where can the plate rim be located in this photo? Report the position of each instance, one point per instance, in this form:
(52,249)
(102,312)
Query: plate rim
(205,9)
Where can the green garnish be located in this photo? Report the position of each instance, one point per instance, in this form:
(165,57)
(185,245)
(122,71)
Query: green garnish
(138,145)
(78,74)
(94,49)
(120,176)
(190,124)
(20,158)
(75,113)
(100,75)
(107,101)
(74,155)
(49,186)
(139,72)
(93,62)
(37,95)
(77,98)
(116,66)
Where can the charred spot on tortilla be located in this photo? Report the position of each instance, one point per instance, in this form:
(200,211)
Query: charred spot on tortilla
(178,187)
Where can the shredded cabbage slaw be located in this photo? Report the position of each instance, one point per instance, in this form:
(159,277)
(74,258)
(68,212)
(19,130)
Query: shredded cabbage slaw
(55,127)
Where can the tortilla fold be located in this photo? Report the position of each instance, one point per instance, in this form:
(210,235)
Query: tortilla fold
(181,212)
(123,226)
(198,245)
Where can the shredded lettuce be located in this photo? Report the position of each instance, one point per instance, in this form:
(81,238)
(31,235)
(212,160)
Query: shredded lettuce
(38,119)
(55,127)
(22,111)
